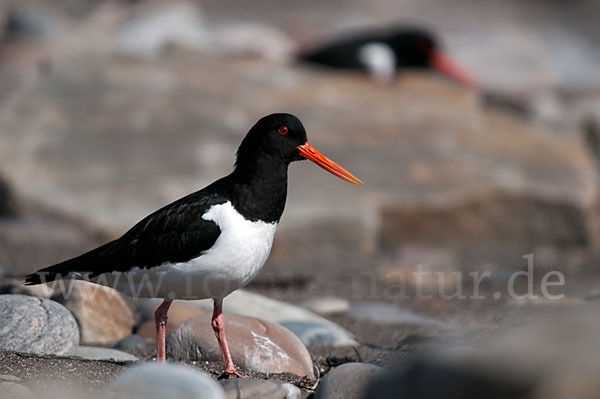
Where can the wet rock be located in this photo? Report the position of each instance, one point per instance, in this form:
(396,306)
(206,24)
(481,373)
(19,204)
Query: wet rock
(98,353)
(255,344)
(312,333)
(159,381)
(36,325)
(251,304)
(327,305)
(348,381)
(259,389)
(100,311)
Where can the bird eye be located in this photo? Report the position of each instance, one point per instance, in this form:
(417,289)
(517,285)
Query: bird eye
(282,130)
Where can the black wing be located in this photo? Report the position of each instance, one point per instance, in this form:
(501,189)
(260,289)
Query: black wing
(174,233)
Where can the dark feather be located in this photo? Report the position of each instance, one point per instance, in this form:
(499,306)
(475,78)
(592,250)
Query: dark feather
(174,233)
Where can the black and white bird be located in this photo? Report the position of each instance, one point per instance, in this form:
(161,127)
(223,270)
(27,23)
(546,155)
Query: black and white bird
(209,243)
(383,52)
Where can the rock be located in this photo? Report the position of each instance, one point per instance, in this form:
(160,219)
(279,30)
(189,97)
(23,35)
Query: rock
(388,314)
(8,205)
(159,381)
(553,355)
(492,217)
(154,27)
(13,390)
(255,344)
(9,378)
(250,304)
(133,344)
(179,311)
(100,311)
(429,269)
(436,194)
(36,325)
(98,353)
(16,287)
(424,379)
(250,388)
(348,381)
(254,40)
(312,333)
(327,305)
(30,242)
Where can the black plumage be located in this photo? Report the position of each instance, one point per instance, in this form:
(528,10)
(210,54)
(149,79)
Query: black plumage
(257,189)
(412,48)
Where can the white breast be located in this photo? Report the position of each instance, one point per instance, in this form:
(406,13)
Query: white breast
(379,59)
(235,258)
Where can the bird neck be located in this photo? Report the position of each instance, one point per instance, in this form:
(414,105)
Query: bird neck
(260,189)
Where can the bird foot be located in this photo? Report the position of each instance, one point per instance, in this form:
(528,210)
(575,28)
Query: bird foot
(231,373)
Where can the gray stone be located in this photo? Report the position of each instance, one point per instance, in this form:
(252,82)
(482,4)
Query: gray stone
(36,325)
(12,390)
(13,286)
(312,333)
(249,388)
(159,381)
(153,28)
(388,314)
(348,381)
(254,344)
(132,343)
(261,307)
(327,305)
(98,353)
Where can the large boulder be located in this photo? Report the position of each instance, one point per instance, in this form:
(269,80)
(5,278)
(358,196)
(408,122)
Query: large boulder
(36,325)
(429,154)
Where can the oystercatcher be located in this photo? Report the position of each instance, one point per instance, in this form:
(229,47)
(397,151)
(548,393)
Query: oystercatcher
(383,52)
(209,243)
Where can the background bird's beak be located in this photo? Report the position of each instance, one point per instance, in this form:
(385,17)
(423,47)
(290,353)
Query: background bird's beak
(308,152)
(448,67)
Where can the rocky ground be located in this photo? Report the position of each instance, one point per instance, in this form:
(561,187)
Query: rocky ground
(465,267)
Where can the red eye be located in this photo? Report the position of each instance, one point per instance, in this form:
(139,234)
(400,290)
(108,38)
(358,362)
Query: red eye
(282,130)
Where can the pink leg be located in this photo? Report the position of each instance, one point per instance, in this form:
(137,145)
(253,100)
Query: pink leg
(219,328)
(160,317)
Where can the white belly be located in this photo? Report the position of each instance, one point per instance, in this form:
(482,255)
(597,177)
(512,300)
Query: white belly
(236,257)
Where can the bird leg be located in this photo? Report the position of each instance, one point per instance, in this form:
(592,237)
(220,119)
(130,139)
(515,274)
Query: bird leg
(218,327)
(160,317)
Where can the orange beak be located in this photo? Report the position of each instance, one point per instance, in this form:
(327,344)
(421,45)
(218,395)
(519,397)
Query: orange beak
(448,67)
(308,152)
